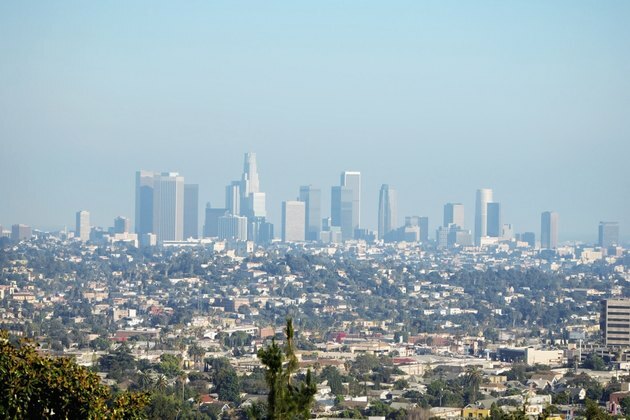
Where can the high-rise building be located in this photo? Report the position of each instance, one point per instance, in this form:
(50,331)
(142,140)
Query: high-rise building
(293,221)
(259,231)
(211,224)
(191,211)
(608,234)
(82,226)
(256,205)
(21,233)
(453,214)
(145,181)
(614,322)
(253,201)
(507,232)
(233,198)
(387,211)
(352,180)
(122,225)
(530,238)
(341,210)
(493,226)
(423,222)
(233,227)
(484,196)
(312,197)
(250,181)
(549,230)
(168,207)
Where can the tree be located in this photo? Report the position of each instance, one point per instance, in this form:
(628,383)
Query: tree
(594,412)
(594,362)
(286,400)
(34,386)
(625,406)
(472,381)
(335,382)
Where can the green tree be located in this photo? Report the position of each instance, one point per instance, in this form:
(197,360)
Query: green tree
(286,400)
(472,382)
(593,411)
(34,386)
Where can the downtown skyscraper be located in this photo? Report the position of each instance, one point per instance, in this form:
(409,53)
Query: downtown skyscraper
(341,208)
(549,230)
(453,214)
(608,234)
(82,228)
(253,201)
(312,197)
(484,196)
(352,180)
(160,205)
(293,221)
(387,211)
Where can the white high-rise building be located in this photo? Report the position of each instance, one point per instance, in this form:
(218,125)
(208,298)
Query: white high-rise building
(233,227)
(257,204)
(168,207)
(251,184)
(293,221)
(387,211)
(352,181)
(453,214)
(82,230)
(484,196)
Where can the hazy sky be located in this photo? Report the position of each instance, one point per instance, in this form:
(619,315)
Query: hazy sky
(437,99)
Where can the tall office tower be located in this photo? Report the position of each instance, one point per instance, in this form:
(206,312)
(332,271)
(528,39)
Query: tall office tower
(341,204)
(259,231)
(493,224)
(453,213)
(352,180)
(250,181)
(614,322)
(608,234)
(484,196)
(293,221)
(145,181)
(387,210)
(507,232)
(82,226)
(233,227)
(21,233)
(311,197)
(423,222)
(256,205)
(191,211)
(122,225)
(211,224)
(233,198)
(549,230)
(168,207)
(253,201)
(530,238)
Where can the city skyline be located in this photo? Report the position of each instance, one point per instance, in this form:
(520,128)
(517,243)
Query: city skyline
(436,100)
(144,178)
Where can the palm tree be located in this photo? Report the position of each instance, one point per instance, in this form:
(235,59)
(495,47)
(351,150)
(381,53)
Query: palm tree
(145,380)
(473,380)
(161,383)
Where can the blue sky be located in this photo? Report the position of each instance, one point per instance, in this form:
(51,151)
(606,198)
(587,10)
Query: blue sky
(437,99)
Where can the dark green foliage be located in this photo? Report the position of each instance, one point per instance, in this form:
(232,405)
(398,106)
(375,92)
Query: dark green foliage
(34,386)
(286,400)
